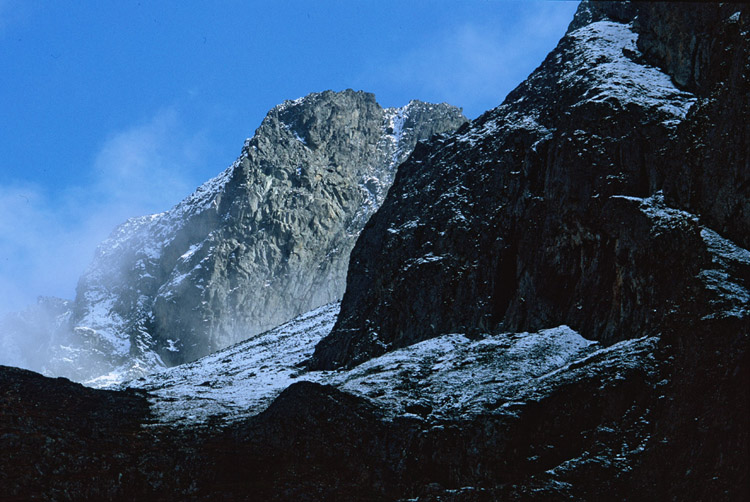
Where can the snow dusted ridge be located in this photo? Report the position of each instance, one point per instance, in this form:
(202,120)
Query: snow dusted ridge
(603,64)
(240,380)
(104,296)
(731,296)
(453,375)
(446,377)
(610,49)
(158,230)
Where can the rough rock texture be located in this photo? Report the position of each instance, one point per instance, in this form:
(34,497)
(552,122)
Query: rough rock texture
(63,441)
(266,240)
(313,443)
(290,213)
(563,205)
(710,169)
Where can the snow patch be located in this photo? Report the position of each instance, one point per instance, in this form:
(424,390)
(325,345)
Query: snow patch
(656,209)
(453,375)
(241,380)
(395,118)
(191,250)
(448,376)
(732,293)
(724,248)
(605,57)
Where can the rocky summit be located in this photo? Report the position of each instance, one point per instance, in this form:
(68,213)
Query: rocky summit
(551,303)
(266,240)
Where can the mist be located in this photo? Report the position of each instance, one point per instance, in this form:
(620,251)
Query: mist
(48,237)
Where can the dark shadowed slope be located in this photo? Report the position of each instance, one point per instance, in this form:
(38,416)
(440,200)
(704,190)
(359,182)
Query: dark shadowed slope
(580,200)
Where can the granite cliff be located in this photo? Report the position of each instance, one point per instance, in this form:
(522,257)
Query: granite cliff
(266,240)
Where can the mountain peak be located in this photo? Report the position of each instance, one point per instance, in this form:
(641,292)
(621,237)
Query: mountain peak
(267,239)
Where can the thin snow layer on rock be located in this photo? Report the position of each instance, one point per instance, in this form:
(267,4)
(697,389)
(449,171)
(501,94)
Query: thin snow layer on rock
(610,48)
(604,63)
(732,292)
(724,250)
(154,232)
(149,235)
(729,262)
(446,377)
(99,315)
(145,238)
(453,375)
(145,363)
(395,118)
(241,380)
(658,212)
(396,147)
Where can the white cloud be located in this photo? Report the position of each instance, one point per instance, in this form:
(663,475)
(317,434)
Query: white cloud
(35,246)
(48,238)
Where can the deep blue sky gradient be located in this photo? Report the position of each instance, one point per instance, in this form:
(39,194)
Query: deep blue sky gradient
(112,109)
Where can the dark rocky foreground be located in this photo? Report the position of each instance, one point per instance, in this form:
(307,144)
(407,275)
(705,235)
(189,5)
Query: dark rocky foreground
(609,192)
(666,429)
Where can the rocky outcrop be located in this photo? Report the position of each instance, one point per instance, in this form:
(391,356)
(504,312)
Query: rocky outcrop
(562,206)
(266,240)
(580,200)
(287,219)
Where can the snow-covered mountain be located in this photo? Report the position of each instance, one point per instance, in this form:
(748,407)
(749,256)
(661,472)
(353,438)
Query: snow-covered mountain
(552,303)
(266,240)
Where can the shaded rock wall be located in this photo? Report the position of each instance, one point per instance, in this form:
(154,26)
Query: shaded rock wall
(578,201)
(624,432)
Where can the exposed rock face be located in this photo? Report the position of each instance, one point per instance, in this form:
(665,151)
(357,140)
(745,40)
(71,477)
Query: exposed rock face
(542,212)
(266,240)
(710,169)
(563,205)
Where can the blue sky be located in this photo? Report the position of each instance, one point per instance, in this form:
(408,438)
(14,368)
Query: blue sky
(113,109)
